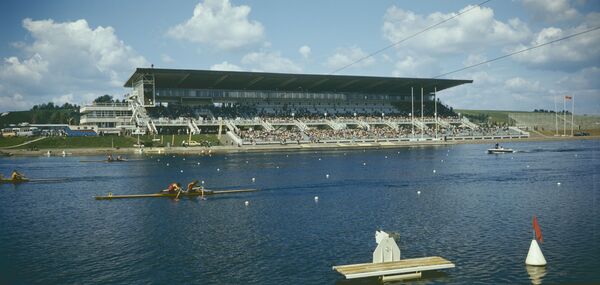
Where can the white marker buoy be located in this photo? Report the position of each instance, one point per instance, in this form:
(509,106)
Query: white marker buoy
(386,156)
(167,164)
(184,158)
(364,163)
(202,182)
(558,183)
(319,158)
(253,179)
(316,198)
(246,162)
(181,171)
(527,166)
(198,163)
(434,171)
(419,192)
(277,166)
(246,203)
(535,256)
(327,176)
(218,169)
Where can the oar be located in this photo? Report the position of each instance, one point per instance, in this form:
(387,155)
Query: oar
(177,197)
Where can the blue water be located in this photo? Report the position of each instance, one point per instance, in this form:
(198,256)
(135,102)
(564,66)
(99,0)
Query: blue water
(475,210)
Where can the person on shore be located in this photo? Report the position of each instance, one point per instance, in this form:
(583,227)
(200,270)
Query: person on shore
(119,158)
(497,146)
(109,157)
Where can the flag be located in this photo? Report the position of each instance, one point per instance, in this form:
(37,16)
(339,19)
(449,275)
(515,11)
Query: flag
(538,231)
(568,97)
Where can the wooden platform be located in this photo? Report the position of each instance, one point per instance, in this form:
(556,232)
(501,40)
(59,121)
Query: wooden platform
(173,195)
(392,268)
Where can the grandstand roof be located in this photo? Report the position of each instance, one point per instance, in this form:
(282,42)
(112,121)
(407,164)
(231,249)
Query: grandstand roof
(238,80)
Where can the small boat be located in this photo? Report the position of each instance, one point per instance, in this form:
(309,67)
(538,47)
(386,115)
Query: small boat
(110,196)
(500,150)
(23,180)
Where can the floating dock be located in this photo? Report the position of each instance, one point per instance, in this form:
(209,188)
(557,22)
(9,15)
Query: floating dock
(404,266)
(173,195)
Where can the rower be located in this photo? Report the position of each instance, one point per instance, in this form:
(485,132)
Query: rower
(173,187)
(119,158)
(16,176)
(497,146)
(109,157)
(191,186)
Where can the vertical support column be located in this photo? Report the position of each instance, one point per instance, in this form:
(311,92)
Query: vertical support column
(220,127)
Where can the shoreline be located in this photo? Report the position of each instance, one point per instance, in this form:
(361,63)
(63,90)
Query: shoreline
(271,147)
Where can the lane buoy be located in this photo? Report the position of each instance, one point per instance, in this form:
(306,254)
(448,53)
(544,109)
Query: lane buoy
(184,158)
(246,203)
(316,198)
(419,192)
(558,183)
(218,169)
(167,164)
(327,176)
(181,171)
(253,179)
(364,163)
(434,171)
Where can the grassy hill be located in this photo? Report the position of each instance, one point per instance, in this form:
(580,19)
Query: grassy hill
(488,116)
(104,141)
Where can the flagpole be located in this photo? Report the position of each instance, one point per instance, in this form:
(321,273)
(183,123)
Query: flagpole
(572,112)
(555,116)
(435,107)
(422,120)
(564,117)
(412,111)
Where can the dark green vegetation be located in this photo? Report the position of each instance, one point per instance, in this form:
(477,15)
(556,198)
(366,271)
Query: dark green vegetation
(106,141)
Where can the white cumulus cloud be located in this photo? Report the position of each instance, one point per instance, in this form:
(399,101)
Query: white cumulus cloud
(571,54)
(476,29)
(347,55)
(219,24)
(67,58)
(226,66)
(304,51)
(270,62)
(551,11)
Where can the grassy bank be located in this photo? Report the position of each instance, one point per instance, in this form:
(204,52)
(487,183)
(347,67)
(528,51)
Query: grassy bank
(487,116)
(105,141)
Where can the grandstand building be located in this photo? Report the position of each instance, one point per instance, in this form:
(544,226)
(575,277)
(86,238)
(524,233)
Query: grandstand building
(263,108)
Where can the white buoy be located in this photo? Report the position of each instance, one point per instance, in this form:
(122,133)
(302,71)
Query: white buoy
(419,192)
(319,158)
(158,160)
(386,156)
(246,162)
(218,169)
(184,158)
(558,183)
(202,182)
(327,176)
(535,256)
(575,155)
(173,156)
(316,198)
(198,163)
(527,166)
(442,160)
(246,203)
(364,163)
(434,171)
(253,179)
(181,171)
(167,164)
(277,166)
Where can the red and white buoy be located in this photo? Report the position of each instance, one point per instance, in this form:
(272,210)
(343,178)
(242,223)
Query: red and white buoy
(535,256)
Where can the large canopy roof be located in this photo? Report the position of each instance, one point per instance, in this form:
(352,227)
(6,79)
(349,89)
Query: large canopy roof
(236,80)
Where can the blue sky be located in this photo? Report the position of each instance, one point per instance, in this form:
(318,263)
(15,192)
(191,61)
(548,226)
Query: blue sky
(74,51)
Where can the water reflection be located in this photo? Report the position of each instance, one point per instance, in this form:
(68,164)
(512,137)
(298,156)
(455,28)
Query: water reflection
(536,273)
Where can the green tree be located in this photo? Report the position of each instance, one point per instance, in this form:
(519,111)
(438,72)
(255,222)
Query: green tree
(104,99)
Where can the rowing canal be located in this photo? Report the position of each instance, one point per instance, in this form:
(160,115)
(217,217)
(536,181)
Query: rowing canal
(475,209)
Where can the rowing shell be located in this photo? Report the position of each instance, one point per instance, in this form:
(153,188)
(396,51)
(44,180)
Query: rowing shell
(173,195)
(14,181)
